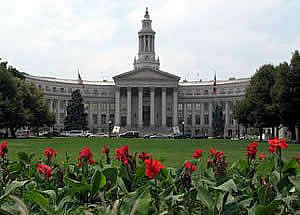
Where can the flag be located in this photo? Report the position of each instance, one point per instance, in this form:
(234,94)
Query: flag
(80,79)
(215,84)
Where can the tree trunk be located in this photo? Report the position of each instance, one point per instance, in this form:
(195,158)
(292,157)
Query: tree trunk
(6,132)
(273,132)
(260,134)
(298,134)
(277,132)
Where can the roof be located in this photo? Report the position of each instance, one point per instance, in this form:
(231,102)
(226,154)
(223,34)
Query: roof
(210,83)
(70,81)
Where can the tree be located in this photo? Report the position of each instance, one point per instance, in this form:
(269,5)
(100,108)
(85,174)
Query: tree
(76,117)
(21,103)
(257,108)
(287,92)
(218,122)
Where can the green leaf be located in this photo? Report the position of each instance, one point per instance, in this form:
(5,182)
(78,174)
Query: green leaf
(203,196)
(38,199)
(23,157)
(111,175)
(140,171)
(12,186)
(265,167)
(295,181)
(228,186)
(76,186)
(20,204)
(269,209)
(121,184)
(275,177)
(98,182)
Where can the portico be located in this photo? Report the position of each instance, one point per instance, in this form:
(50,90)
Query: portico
(146,98)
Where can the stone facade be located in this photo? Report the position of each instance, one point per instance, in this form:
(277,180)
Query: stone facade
(146,98)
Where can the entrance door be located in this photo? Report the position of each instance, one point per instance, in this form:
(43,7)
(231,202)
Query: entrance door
(146,115)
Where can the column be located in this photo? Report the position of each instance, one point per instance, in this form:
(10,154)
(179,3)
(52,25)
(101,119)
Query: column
(128,107)
(99,115)
(152,115)
(193,117)
(117,106)
(107,114)
(202,114)
(57,111)
(144,38)
(90,114)
(185,114)
(210,113)
(140,109)
(226,114)
(163,106)
(175,106)
(51,105)
(297,128)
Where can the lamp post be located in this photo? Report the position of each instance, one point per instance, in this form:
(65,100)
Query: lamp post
(109,128)
(182,123)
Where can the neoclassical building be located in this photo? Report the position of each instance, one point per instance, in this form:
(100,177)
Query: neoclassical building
(147,98)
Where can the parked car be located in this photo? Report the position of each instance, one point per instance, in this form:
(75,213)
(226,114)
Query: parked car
(160,136)
(130,134)
(52,134)
(89,134)
(2,134)
(75,133)
(199,137)
(101,135)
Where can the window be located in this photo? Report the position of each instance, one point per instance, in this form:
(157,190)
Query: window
(206,119)
(189,107)
(62,105)
(95,118)
(198,119)
(61,118)
(198,107)
(189,119)
(47,88)
(62,90)
(179,107)
(205,92)
(169,121)
(69,90)
(94,107)
(103,119)
(123,120)
(54,89)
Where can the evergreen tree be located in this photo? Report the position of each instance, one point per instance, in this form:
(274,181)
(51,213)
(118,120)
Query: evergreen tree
(218,122)
(76,117)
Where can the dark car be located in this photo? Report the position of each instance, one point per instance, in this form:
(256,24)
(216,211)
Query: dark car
(130,134)
(199,137)
(52,134)
(2,134)
(181,136)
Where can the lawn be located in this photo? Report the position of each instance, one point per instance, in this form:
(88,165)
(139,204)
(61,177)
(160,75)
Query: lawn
(172,152)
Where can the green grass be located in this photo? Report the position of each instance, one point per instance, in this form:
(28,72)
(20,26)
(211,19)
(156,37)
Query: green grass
(172,152)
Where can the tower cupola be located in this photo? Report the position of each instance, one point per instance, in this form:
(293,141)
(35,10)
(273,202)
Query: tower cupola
(146,53)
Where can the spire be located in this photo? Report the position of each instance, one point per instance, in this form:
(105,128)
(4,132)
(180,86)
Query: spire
(147,14)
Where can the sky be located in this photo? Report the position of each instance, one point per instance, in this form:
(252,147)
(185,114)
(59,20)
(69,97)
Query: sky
(194,38)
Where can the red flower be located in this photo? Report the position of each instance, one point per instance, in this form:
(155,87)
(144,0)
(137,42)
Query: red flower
(122,154)
(278,143)
(87,155)
(198,153)
(212,151)
(190,167)
(3,148)
(144,156)
(251,151)
(297,158)
(153,168)
(45,170)
(219,155)
(49,153)
(272,149)
(262,156)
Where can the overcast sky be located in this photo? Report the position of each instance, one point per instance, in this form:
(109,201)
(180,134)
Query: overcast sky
(194,38)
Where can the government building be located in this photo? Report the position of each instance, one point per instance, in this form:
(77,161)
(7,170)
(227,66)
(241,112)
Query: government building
(146,98)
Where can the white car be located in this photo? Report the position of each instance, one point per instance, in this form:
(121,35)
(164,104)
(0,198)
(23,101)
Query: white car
(75,133)
(100,135)
(89,134)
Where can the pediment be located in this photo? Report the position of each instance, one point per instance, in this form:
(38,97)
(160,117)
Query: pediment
(147,74)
